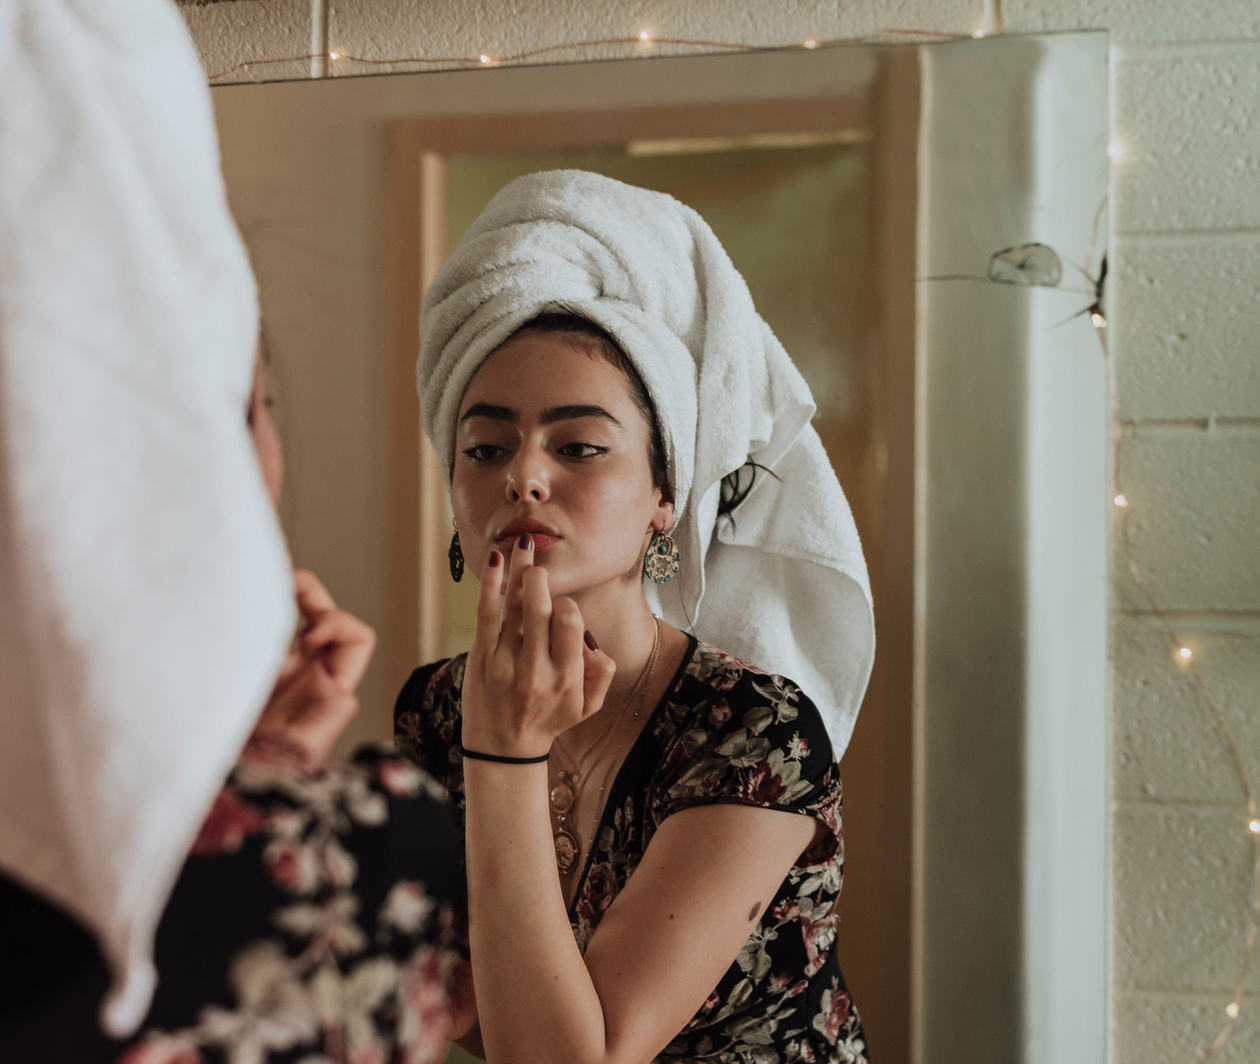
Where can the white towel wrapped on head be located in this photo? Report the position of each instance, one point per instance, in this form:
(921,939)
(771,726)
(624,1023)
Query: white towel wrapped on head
(782,582)
(145,595)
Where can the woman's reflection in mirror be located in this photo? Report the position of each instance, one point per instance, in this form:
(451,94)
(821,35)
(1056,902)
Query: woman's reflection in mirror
(652,822)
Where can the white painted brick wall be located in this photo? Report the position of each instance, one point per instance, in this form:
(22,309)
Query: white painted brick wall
(235,32)
(1184,887)
(1165,747)
(1186,312)
(1160,1028)
(1139,21)
(1189,129)
(1185,317)
(1196,517)
(1189,328)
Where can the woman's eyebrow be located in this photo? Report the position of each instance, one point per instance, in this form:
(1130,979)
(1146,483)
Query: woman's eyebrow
(576,410)
(549,416)
(497,413)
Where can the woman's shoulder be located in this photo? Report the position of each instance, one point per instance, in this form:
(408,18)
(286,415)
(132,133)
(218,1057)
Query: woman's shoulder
(745,735)
(429,683)
(427,718)
(740,695)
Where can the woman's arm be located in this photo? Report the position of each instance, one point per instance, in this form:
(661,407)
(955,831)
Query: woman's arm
(659,951)
(685,912)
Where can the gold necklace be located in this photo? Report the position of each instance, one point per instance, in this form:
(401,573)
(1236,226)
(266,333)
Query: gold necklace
(563,793)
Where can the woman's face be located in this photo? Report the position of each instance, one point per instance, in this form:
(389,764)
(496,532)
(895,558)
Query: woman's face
(262,428)
(549,441)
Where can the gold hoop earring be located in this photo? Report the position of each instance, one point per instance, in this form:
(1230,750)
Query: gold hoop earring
(662,558)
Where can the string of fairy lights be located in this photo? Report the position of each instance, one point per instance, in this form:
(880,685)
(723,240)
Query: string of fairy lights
(1182,657)
(640,44)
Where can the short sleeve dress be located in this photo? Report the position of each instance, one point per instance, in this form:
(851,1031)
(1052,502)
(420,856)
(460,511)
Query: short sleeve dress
(724,732)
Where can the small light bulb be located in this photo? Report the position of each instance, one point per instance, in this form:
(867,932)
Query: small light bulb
(1121,501)
(1097,320)
(334,56)
(809,43)
(1254,826)
(978,35)
(1185,653)
(1115,150)
(644,36)
(485,59)
(1231,1010)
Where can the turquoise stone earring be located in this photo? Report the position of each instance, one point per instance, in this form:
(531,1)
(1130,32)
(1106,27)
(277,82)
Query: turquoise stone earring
(660,563)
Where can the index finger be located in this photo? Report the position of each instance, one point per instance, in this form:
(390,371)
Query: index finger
(311,594)
(486,627)
(519,563)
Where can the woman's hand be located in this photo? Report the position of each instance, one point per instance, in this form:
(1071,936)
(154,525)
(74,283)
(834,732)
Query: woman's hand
(314,697)
(533,671)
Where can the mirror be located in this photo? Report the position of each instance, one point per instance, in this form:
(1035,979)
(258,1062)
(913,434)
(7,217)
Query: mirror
(923,228)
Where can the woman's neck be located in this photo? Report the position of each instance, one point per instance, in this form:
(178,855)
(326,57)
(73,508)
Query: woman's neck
(623,626)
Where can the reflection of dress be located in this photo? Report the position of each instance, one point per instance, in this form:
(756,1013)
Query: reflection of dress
(724,732)
(315,919)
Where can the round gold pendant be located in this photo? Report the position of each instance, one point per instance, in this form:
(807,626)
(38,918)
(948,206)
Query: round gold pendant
(562,795)
(566,848)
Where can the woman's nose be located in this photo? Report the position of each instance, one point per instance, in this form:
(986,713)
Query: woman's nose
(527,478)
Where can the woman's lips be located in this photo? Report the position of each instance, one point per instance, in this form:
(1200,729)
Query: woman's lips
(544,536)
(542,542)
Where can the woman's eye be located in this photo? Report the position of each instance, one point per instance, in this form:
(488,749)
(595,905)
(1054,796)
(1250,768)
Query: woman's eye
(483,452)
(581,450)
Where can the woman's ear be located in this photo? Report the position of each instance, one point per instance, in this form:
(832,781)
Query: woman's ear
(663,516)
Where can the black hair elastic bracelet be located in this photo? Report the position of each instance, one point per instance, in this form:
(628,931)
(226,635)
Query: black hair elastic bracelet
(501,759)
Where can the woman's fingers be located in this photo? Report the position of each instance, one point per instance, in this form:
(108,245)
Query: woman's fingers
(536,621)
(312,596)
(519,562)
(343,643)
(565,637)
(598,670)
(586,668)
(489,610)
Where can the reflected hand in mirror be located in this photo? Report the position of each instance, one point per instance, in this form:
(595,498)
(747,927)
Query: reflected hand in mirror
(314,697)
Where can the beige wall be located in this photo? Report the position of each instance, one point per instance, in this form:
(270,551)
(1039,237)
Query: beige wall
(1185,314)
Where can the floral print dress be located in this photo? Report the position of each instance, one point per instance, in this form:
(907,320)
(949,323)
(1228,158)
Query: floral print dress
(317,919)
(723,732)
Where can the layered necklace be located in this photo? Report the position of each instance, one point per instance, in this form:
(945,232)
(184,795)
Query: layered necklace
(564,791)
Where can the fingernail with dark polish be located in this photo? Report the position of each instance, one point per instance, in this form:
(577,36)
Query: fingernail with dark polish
(526,542)
(495,559)
(590,641)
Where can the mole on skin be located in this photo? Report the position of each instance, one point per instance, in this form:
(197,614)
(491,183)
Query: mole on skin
(754,910)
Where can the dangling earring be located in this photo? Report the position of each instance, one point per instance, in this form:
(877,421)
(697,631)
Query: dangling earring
(662,557)
(455,555)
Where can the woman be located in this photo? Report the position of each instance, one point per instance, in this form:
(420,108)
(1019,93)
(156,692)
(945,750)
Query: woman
(652,825)
(148,605)
(318,909)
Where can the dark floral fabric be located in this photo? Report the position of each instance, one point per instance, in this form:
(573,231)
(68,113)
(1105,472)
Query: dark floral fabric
(724,732)
(318,919)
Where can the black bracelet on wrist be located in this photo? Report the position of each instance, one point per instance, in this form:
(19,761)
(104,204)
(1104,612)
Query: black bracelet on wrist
(500,759)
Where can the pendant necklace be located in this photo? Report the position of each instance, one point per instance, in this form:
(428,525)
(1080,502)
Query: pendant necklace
(564,791)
